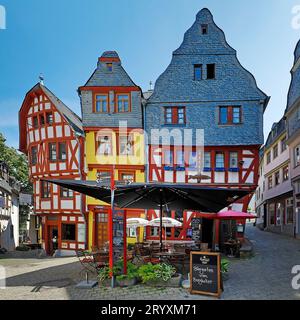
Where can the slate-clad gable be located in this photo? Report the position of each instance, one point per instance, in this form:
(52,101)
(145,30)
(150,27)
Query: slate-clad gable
(103,77)
(232,86)
(294,90)
(111,81)
(232,81)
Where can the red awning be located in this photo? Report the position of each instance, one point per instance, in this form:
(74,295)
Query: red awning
(234,215)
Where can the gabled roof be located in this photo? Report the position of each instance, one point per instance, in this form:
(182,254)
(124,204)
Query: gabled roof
(277,130)
(104,77)
(232,81)
(71,117)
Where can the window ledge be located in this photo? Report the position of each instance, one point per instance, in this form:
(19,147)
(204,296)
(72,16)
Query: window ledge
(220,170)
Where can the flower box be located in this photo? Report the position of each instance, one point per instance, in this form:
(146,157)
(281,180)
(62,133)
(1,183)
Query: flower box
(127,282)
(174,282)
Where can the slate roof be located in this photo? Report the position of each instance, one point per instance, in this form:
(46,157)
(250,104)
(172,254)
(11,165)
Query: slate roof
(277,130)
(232,82)
(102,77)
(294,89)
(72,118)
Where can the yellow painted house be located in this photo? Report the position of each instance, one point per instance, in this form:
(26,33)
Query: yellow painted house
(114,140)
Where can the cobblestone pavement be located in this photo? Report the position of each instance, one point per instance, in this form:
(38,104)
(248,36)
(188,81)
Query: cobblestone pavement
(265,276)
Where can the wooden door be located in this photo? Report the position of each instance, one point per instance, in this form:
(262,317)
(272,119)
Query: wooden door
(102,229)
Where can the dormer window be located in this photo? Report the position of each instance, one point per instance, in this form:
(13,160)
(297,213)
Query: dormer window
(204,29)
(109,67)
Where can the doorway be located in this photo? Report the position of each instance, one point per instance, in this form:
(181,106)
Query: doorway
(207,231)
(52,239)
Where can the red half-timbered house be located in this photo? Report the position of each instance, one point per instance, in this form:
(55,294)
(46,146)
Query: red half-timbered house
(206,95)
(51,136)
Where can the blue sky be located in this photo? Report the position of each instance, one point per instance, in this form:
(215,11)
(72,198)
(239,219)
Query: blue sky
(63,39)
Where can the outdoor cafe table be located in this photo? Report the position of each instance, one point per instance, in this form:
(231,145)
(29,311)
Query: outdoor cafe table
(172,257)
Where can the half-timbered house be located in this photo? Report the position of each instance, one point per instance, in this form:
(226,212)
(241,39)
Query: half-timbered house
(204,87)
(51,137)
(113,126)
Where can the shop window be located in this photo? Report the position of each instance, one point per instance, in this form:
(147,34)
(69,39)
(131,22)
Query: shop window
(101,101)
(62,151)
(126,145)
(279,207)
(123,103)
(289,211)
(104,145)
(197,72)
(66,193)
(272,213)
(211,71)
(68,232)
(34,152)
(52,151)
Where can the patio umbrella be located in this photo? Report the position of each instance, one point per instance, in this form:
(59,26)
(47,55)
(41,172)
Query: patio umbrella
(166,223)
(136,223)
(158,196)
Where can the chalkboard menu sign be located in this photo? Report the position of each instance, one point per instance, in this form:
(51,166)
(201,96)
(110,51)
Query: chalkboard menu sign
(205,273)
(118,233)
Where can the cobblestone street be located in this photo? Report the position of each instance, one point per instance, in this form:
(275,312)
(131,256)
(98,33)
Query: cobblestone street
(265,276)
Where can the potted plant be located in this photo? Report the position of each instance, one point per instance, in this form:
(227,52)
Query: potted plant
(159,275)
(128,279)
(104,277)
(225,269)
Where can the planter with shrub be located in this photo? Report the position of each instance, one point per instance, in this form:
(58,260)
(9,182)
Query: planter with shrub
(159,275)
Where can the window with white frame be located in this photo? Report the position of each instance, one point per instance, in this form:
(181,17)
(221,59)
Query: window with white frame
(233,159)
(207,160)
(126,145)
(104,145)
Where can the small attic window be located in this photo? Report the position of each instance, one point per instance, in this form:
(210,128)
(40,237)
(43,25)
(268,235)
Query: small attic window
(109,66)
(204,29)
